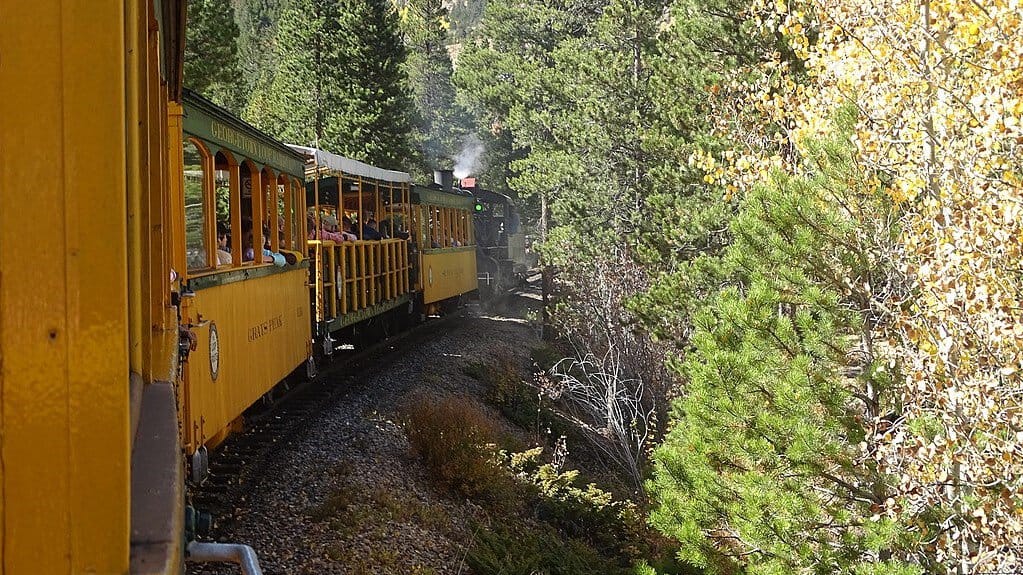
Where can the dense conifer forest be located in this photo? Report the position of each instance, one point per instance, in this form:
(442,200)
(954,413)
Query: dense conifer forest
(780,239)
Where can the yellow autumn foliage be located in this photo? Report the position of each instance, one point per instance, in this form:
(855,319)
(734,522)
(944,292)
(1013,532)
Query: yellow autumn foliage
(938,85)
(939,88)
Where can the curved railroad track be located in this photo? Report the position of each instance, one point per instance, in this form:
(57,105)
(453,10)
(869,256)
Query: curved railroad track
(271,427)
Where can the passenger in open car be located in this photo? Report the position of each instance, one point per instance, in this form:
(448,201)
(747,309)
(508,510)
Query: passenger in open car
(223,248)
(329,232)
(249,252)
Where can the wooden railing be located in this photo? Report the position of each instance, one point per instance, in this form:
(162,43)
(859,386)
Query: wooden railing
(354,276)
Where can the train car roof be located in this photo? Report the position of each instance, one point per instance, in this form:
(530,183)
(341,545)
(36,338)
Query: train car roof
(326,163)
(491,195)
(214,124)
(435,195)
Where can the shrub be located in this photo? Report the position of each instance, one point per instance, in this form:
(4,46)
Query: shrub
(588,514)
(333,506)
(505,390)
(520,549)
(458,443)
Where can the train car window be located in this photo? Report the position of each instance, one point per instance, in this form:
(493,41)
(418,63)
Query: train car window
(449,227)
(456,227)
(439,228)
(286,218)
(246,180)
(251,233)
(270,209)
(222,199)
(434,222)
(298,230)
(197,216)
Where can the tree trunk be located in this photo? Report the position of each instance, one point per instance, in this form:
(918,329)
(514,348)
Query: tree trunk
(547,330)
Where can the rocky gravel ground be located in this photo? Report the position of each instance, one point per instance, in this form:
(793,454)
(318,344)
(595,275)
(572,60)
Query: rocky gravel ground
(346,496)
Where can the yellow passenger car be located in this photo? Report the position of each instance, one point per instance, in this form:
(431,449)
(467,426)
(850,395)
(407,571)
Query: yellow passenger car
(442,231)
(244,300)
(91,477)
(369,275)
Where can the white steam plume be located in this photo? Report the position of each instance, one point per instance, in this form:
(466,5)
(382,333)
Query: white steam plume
(467,162)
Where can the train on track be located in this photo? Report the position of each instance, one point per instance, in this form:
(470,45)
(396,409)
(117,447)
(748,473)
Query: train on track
(163,266)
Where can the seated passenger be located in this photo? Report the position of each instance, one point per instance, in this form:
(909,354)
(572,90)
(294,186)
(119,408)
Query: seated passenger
(276,258)
(282,239)
(369,230)
(310,224)
(329,232)
(223,249)
(349,230)
(249,252)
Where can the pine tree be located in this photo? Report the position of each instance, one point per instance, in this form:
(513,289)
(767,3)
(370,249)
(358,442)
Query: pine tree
(211,52)
(257,27)
(372,119)
(293,104)
(339,82)
(763,469)
(443,124)
(466,16)
(506,72)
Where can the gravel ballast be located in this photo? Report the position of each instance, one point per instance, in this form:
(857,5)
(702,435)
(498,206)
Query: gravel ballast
(345,495)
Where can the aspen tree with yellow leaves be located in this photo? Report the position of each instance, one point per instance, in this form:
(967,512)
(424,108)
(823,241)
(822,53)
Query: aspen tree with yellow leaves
(939,87)
(938,91)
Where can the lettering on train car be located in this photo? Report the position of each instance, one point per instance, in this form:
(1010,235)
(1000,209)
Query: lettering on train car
(268,326)
(250,146)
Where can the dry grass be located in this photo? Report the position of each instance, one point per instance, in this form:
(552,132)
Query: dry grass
(457,440)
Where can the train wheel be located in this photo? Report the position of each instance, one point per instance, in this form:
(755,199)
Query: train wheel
(310,368)
(328,344)
(200,465)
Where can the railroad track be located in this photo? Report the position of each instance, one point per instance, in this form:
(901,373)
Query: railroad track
(236,466)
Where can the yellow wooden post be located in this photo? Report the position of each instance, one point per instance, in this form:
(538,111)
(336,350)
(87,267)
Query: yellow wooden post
(342,280)
(321,313)
(350,284)
(236,209)
(361,214)
(395,268)
(330,280)
(361,274)
(64,406)
(405,267)
(373,272)
(389,269)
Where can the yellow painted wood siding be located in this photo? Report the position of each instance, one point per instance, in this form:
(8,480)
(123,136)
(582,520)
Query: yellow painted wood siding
(263,329)
(64,421)
(448,273)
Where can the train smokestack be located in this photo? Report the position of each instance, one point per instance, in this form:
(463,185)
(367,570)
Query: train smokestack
(443,178)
